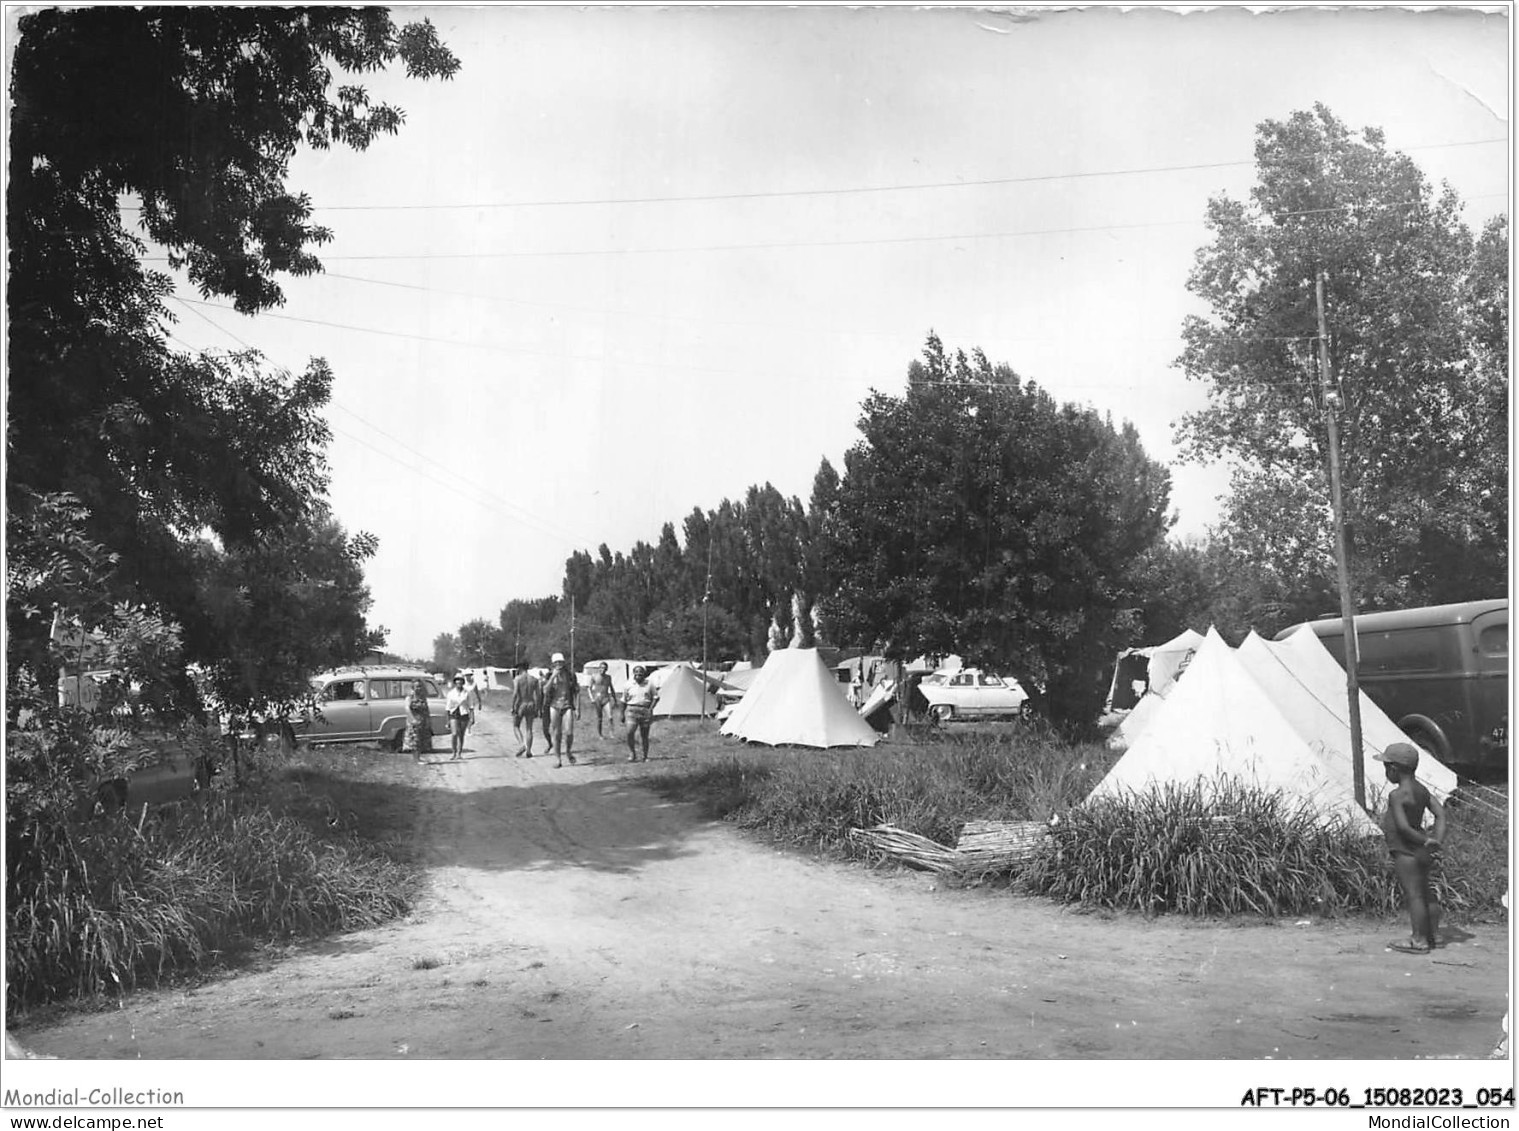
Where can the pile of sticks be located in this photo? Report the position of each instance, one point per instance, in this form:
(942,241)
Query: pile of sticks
(911,849)
(984,846)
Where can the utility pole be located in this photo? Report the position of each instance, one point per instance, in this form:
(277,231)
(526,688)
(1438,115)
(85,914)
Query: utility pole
(572,632)
(1332,404)
(706,599)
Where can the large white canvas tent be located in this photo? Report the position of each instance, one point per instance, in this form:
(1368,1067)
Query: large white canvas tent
(680,693)
(1134,722)
(795,700)
(1219,722)
(1308,684)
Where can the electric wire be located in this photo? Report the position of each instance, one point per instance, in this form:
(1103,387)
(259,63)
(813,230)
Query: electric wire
(1038,178)
(482,497)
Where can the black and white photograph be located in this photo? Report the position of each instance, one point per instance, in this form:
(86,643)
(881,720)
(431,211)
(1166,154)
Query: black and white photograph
(843,543)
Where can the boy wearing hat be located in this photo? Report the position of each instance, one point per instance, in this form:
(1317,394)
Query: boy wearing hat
(1411,847)
(561,697)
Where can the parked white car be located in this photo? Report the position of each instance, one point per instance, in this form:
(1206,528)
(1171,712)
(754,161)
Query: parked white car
(972,694)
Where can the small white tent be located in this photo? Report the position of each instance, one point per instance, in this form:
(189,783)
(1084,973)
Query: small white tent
(680,693)
(1219,722)
(1164,664)
(795,700)
(1169,660)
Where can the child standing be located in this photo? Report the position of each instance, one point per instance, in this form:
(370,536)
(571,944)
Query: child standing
(1411,847)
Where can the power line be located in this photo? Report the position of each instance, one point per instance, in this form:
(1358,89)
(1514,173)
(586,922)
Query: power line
(1043,178)
(473,494)
(782,245)
(506,507)
(543,525)
(493,347)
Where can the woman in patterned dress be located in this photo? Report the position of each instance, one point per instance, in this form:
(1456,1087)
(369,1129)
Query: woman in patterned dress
(417,738)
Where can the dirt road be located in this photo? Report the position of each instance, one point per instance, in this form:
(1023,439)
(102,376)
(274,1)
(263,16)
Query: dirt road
(574,914)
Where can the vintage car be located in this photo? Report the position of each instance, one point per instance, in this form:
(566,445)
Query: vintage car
(367,705)
(972,694)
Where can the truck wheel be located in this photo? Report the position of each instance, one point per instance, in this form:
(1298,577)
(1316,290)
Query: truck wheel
(1427,736)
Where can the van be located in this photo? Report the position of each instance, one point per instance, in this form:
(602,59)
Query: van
(1439,672)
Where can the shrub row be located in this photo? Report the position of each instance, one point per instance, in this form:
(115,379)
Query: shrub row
(1197,849)
(104,904)
(813,798)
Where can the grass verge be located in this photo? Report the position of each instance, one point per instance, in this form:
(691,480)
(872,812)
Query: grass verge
(1158,853)
(812,798)
(112,903)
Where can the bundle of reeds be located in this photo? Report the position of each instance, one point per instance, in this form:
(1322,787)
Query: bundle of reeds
(910,848)
(998,845)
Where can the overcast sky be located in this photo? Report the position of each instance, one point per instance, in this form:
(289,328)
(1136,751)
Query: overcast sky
(632,260)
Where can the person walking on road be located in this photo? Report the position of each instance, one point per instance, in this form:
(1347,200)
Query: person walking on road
(601,695)
(417,738)
(561,698)
(461,716)
(638,708)
(527,705)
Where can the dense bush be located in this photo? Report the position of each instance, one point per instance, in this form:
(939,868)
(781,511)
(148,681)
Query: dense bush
(1224,847)
(99,903)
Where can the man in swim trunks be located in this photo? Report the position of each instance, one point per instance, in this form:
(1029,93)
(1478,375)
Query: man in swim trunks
(600,692)
(527,703)
(561,699)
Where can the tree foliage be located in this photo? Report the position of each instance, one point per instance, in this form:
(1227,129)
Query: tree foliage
(977,516)
(269,614)
(1417,316)
(174,125)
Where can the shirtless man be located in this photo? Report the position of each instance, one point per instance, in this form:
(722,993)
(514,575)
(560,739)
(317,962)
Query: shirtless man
(600,692)
(561,702)
(527,703)
(1411,847)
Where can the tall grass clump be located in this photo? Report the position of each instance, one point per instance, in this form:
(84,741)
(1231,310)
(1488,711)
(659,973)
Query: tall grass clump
(1210,848)
(100,903)
(812,798)
(1224,847)
(1472,874)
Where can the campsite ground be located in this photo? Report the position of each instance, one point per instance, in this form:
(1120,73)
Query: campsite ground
(574,914)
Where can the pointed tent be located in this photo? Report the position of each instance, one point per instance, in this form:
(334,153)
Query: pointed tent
(680,694)
(1169,660)
(1220,722)
(1134,723)
(1163,665)
(796,701)
(741,679)
(1322,681)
